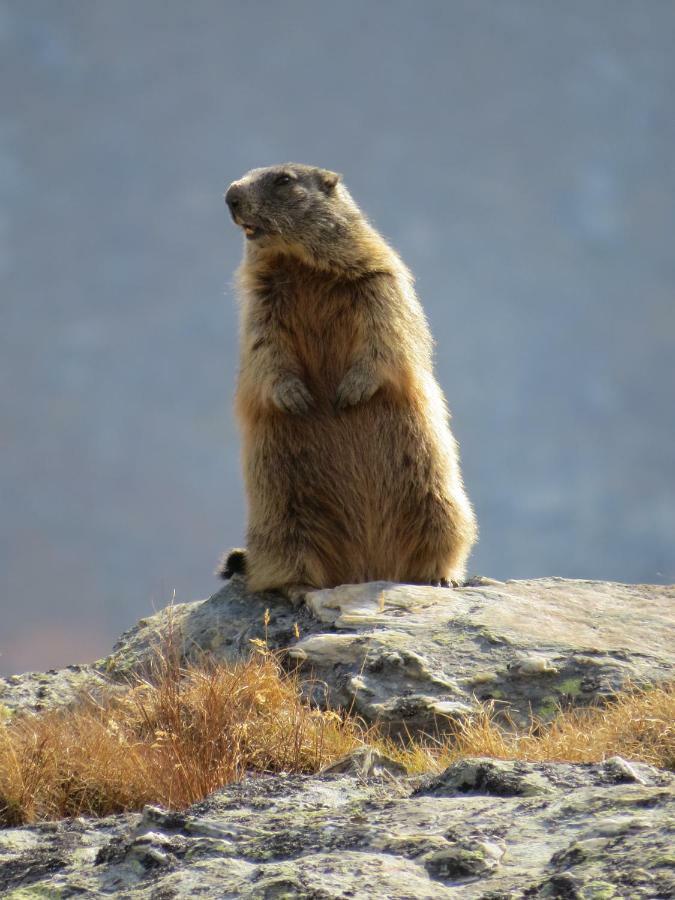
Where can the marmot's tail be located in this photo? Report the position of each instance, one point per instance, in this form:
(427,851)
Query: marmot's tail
(232,563)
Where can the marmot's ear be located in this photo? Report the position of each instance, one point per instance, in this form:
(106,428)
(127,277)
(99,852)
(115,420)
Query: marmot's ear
(328,180)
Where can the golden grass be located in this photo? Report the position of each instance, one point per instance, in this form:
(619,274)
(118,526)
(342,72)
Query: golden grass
(638,725)
(172,739)
(179,734)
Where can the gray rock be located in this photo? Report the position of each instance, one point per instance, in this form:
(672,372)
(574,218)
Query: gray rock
(498,777)
(413,658)
(367,763)
(35,691)
(476,831)
(618,769)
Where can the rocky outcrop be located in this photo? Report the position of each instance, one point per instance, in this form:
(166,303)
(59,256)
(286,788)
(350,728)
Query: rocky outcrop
(410,657)
(483,829)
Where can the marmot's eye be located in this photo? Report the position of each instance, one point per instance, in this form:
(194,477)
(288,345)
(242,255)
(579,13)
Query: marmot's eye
(282,179)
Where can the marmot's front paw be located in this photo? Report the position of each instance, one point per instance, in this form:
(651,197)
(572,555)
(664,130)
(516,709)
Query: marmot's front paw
(356,387)
(291,395)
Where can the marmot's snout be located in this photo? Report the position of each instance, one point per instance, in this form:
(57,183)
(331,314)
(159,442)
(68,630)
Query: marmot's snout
(236,200)
(233,198)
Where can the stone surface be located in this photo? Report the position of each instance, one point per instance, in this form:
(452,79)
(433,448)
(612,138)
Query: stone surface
(35,691)
(411,657)
(414,655)
(483,829)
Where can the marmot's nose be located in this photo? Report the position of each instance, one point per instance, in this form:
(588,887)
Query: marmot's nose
(233,198)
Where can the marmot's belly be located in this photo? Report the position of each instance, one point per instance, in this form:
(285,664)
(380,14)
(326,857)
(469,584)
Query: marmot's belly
(359,484)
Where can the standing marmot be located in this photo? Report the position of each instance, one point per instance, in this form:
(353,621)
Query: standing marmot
(351,469)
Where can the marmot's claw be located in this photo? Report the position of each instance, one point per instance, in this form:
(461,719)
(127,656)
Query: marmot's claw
(355,387)
(292,396)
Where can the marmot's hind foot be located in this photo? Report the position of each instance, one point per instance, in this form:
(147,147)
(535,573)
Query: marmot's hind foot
(232,563)
(445,583)
(295,593)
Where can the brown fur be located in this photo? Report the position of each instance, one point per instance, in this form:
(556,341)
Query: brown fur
(350,467)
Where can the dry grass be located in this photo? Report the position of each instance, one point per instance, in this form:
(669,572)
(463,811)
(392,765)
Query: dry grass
(638,725)
(171,739)
(179,734)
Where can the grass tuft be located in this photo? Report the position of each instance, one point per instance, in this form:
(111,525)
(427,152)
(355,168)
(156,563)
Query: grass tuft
(171,739)
(638,725)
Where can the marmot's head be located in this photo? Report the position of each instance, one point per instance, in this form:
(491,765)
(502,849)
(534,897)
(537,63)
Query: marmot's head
(290,203)
(308,213)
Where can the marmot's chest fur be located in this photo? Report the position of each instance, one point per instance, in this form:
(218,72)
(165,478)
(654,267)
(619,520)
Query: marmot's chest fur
(317,321)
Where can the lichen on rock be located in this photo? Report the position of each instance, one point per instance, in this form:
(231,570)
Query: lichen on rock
(480,829)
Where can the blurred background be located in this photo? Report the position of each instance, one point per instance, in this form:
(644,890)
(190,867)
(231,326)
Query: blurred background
(520,155)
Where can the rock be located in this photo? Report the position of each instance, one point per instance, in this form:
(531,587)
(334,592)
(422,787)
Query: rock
(476,831)
(367,763)
(35,691)
(461,862)
(528,645)
(618,769)
(413,658)
(498,777)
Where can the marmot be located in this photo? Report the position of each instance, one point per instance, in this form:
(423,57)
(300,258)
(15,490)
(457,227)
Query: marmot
(351,470)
